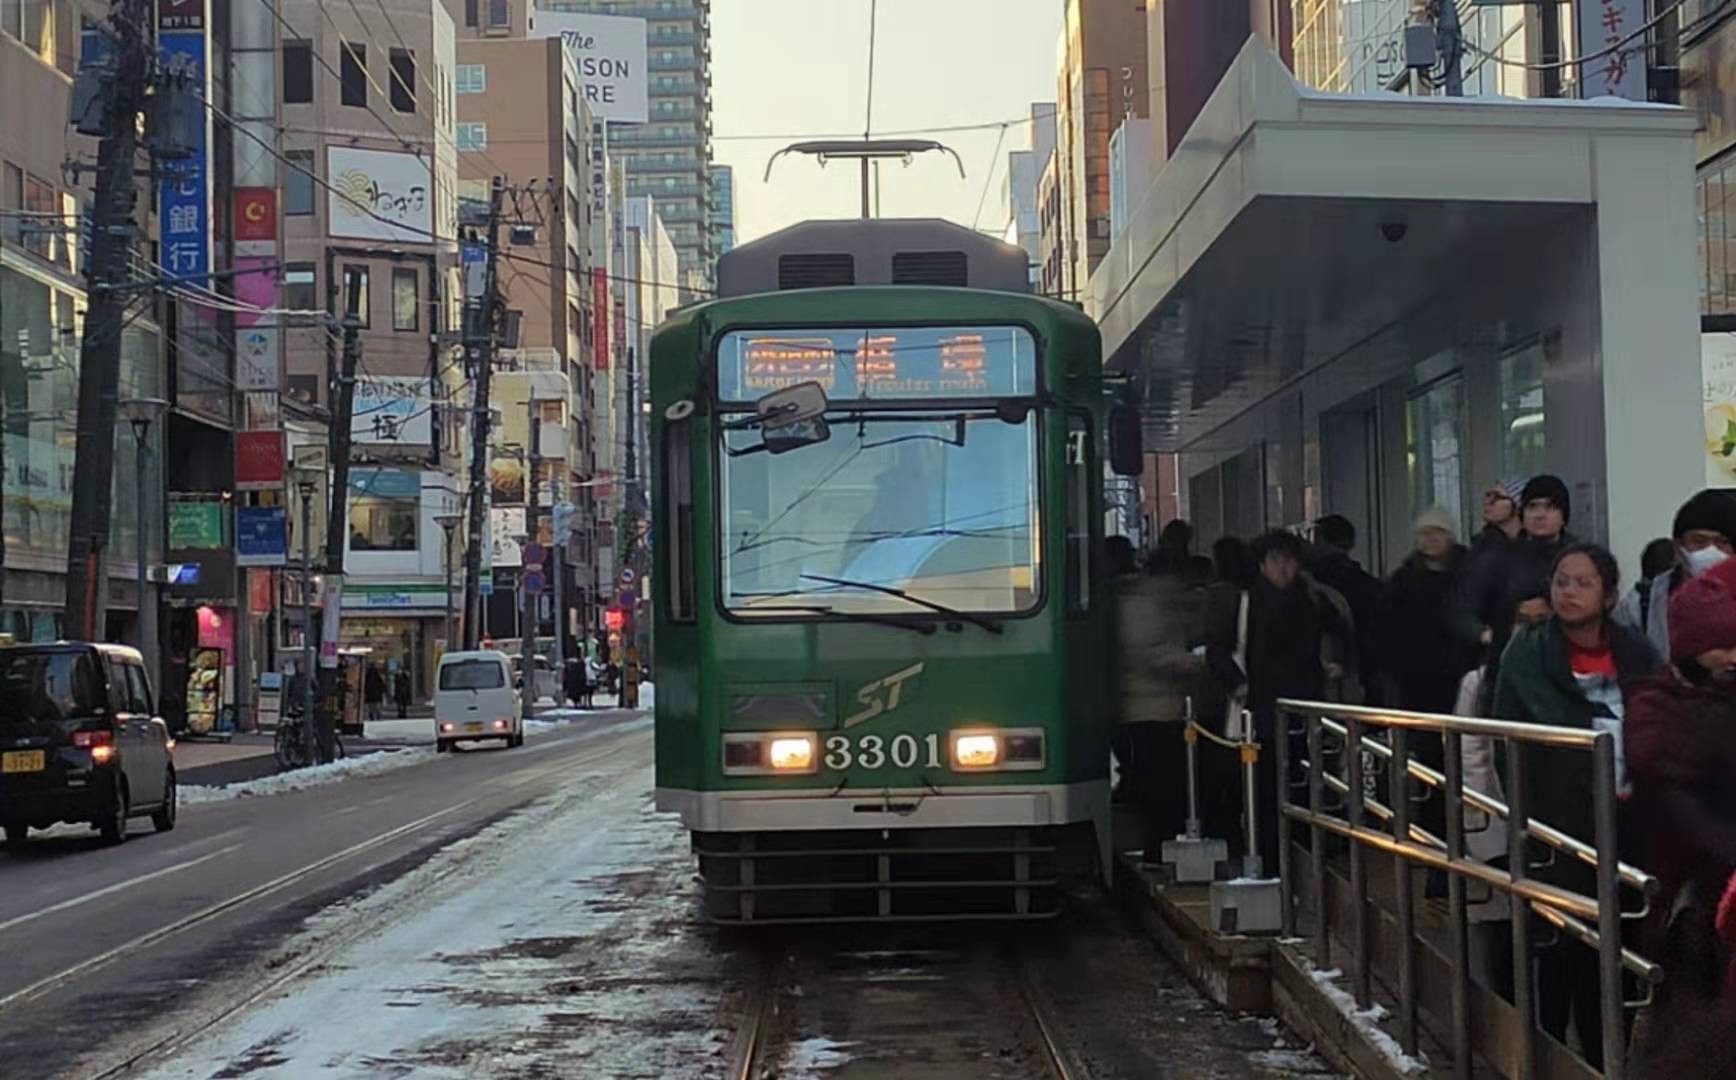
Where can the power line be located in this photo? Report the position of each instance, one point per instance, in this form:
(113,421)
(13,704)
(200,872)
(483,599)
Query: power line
(994,157)
(988,125)
(1580,61)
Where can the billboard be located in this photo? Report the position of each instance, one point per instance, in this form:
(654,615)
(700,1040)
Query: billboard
(379,195)
(505,526)
(394,410)
(261,535)
(183,200)
(609,52)
(1606,25)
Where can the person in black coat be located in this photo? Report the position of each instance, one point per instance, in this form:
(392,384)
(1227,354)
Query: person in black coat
(373,691)
(1421,658)
(1331,565)
(1498,573)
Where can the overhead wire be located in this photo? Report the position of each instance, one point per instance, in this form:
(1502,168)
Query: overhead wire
(988,178)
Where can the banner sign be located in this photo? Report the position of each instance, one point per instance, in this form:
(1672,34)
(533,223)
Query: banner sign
(258,459)
(390,409)
(379,195)
(1604,25)
(255,214)
(183,202)
(195,523)
(261,535)
(600,318)
(257,358)
(609,53)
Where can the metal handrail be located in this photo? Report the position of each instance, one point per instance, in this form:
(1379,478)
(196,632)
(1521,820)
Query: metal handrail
(1561,908)
(1633,961)
(1630,875)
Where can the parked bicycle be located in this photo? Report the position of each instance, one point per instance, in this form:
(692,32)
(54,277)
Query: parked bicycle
(290,745)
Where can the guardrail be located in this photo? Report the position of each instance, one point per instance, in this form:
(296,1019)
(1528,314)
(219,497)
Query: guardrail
(1593,921)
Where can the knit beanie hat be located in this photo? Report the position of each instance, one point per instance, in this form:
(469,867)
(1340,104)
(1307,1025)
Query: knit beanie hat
(1551,488)
(1436,518)
(1703,612)
(1509,486)
(1711,510)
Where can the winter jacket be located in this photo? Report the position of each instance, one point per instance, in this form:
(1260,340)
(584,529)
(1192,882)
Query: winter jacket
(1498,572)
(1363,593)
(1536,686)
(1681,751)
(1419,653)
(1485,834)
(373,687)
(1158,671)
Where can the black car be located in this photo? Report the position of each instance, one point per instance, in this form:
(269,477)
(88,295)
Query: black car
(80,741)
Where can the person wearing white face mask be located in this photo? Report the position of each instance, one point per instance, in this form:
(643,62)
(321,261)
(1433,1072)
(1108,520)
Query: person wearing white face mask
(1705,535)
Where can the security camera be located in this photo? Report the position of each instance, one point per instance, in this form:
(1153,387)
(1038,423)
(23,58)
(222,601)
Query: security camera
(1394,231)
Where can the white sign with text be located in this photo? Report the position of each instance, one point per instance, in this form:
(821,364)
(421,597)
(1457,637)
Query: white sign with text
(379,195)
(610,53)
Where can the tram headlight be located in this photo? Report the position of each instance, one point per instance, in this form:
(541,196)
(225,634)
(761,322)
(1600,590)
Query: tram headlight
(998,749)
(769,753)
(975,750)
(792,753)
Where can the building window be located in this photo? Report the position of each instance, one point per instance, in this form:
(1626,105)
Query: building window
(471,15)
(353,73)
(384,507)
(299,280)
(406,299)
(1434,422)
(472,78)
(41,227)
(403,65)
(297,73)
(298,182)
(1522,405)
(499,14)
(472,135)
(360,271)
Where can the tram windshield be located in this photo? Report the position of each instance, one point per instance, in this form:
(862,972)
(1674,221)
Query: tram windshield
(926,486)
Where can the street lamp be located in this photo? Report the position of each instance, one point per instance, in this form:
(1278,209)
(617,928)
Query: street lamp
(307,483)
(141,413)
(448,522)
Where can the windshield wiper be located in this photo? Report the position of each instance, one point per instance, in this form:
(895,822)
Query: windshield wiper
(990,625)
(854,616)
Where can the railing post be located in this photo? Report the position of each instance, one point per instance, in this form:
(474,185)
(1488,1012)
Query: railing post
(1282,750)
(1353,813)
(1461,943)
(1316,839)
(1518,868)
(1253,866)
(1398,775)
(1193,779)
(1609,967)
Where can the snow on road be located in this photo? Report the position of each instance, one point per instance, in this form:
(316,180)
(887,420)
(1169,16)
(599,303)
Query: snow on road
(561,942)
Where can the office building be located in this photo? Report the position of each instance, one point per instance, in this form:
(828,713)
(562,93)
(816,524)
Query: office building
(668,156)
(722,208)
(1101,79)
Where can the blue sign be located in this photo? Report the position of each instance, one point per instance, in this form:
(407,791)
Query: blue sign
(533,582)
(183,204)
(261,535)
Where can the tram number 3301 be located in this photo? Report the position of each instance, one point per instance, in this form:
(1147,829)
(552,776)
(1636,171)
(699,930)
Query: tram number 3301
(876,752)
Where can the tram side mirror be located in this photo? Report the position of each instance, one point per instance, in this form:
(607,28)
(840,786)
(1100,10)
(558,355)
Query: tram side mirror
(793,417)
(792,405)
(1126,441)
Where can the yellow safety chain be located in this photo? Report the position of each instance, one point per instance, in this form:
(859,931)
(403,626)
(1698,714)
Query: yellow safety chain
(1250,750)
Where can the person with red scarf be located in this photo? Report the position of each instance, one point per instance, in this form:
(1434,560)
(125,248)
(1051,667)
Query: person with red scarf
(1681,757)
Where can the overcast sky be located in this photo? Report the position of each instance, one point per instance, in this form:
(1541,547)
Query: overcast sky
(789,69)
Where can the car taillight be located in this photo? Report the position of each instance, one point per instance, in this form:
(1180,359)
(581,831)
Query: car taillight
(90,740)
(500,725)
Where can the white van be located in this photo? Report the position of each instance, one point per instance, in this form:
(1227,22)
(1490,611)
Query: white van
(474,698)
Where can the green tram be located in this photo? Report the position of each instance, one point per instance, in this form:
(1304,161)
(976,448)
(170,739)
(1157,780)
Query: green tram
(883,686)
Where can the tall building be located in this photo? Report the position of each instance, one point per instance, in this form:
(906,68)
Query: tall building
(1024,177)
(367,108)
(668,156)
(522,116)
(42,304)
(722,208)
(1101,79)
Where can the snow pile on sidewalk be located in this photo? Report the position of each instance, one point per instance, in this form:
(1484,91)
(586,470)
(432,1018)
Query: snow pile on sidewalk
(1366,1020)
(314,776)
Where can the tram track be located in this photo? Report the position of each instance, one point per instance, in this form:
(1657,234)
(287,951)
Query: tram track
(868,1008)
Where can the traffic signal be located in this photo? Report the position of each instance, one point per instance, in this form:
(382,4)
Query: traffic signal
(614,618)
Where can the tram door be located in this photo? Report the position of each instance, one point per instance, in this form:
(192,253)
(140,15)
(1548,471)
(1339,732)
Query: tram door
(1350,474)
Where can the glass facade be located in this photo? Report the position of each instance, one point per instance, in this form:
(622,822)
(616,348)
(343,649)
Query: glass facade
(1357,46)
(1522,447)
(40,321)
(1434,418)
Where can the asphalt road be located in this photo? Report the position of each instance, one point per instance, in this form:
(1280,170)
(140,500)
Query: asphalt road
(109,953)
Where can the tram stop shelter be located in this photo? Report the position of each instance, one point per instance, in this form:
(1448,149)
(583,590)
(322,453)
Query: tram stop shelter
(1369,305)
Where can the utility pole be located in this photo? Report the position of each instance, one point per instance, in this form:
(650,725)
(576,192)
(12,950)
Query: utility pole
(486,326)
(337,518)
(1452,44)
(105,269)
(532,462)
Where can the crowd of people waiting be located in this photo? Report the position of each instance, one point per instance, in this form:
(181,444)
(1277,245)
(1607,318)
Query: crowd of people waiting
(1526,623)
